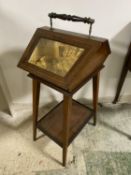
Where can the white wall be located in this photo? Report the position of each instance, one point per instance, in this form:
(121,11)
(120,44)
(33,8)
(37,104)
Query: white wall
(19,19)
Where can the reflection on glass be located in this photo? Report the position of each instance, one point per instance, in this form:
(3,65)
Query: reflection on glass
(55,56)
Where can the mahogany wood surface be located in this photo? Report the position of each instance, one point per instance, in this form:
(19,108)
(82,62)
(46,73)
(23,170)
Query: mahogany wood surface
(95,94)
(63,90)
(52,123)
(95,52)
(67,110)
(36,94)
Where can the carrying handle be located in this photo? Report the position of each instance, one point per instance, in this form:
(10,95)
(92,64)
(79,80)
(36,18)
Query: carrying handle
(73,18)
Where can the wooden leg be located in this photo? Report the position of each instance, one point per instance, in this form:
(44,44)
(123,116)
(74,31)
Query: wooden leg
(125,69)
(95,94)
(120,84)
(36,94)
(66,111)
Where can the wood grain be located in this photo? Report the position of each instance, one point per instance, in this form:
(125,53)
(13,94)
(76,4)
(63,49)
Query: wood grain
(52,123)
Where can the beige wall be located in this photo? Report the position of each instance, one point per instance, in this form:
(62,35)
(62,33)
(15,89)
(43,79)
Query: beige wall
(18,21)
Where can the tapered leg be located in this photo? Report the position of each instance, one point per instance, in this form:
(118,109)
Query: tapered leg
(95,94)
(67,112)
(120,84)
(125,69)
(36,94)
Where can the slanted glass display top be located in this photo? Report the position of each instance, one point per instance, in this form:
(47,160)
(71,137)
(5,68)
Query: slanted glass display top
(54,56)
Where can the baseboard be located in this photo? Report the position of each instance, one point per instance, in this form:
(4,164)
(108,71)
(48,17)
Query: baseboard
(122,99)
(20,109)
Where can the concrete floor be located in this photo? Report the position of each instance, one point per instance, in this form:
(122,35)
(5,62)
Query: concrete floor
(101,150)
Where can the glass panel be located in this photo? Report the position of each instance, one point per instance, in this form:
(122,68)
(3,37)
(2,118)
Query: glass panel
(55,56)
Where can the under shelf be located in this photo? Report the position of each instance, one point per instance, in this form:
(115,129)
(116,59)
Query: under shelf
(52,123)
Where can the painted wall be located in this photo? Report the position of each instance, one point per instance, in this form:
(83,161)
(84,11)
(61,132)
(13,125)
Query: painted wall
(18,21)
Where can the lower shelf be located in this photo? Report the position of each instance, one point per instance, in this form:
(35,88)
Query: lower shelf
(52,123)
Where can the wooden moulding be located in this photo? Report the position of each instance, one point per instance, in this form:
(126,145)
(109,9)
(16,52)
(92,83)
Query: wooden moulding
(52,123)
(63,90)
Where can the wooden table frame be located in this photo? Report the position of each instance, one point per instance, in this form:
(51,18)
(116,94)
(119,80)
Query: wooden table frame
(65,121)
(67,106)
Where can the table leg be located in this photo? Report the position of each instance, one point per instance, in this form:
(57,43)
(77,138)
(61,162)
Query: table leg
(36,94)
(125,69)
(66,120)
(120,84)
(95,94)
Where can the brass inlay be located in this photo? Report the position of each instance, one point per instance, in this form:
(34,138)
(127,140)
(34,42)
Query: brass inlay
(55,56)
